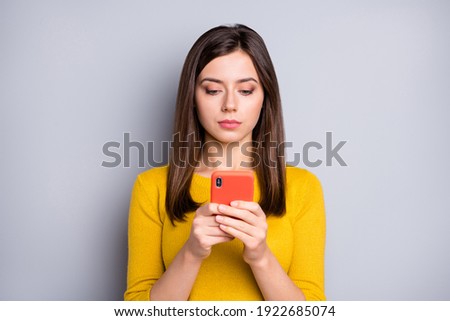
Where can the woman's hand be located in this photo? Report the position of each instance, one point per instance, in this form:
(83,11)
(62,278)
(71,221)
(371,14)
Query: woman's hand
(247,222)
(205,232)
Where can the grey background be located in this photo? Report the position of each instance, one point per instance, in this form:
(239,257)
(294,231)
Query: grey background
(77,74)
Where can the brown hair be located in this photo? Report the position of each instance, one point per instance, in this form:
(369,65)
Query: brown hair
(267,136)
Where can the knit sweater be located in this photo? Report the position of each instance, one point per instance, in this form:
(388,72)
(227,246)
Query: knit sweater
(297,240)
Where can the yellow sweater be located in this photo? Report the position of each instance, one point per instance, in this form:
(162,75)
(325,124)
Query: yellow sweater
(297,240)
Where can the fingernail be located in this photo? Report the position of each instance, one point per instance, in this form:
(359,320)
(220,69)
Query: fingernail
(219,218)
(234,203)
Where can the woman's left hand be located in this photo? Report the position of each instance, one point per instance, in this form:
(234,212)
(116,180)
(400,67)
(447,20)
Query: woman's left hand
(247,222)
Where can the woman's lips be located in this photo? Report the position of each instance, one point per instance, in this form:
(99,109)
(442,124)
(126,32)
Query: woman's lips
(229,123)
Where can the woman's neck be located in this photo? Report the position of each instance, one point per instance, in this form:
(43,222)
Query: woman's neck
(225,156)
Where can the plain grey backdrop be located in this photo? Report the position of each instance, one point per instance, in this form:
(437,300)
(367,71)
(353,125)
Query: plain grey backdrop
(75,75)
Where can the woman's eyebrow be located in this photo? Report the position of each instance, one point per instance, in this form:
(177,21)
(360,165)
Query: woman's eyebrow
(221,82)
(247,79)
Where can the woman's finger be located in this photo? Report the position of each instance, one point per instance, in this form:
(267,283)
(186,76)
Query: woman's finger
(237,213)
(252,207)
(244,237)
(237,224)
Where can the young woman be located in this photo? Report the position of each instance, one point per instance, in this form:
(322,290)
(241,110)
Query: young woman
(181,246)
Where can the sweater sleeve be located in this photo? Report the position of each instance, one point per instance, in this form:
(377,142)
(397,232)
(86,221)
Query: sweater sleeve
(307,266)
(145,265)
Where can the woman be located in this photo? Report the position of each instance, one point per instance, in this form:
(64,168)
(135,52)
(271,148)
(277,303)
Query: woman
(181,247)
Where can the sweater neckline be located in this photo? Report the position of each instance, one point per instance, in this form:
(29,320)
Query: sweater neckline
(206,181)
(201,180)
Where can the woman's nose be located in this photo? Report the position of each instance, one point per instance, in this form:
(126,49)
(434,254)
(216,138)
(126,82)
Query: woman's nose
(230,102)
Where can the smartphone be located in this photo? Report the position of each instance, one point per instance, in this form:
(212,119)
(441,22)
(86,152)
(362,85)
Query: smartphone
(228,186)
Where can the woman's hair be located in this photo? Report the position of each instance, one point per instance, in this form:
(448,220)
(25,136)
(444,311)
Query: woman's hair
(267,136)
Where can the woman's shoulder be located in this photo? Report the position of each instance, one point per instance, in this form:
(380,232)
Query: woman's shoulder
(297,173)
(303,192)
(154,175)
(301,178)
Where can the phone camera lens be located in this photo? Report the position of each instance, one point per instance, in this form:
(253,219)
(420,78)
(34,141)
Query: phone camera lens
(219,181)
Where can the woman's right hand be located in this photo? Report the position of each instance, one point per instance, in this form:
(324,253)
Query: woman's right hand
(205,232)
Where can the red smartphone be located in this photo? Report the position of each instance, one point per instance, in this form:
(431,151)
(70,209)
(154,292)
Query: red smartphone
(228,186)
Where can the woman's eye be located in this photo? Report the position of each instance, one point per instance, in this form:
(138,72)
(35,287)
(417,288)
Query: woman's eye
(246,92)
(212,92)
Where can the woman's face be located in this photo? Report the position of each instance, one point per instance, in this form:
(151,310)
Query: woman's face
(229,98)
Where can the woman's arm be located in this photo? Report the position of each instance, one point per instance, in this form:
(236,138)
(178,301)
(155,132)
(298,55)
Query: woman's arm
(177,281)
(305,279)
(274,283)
(145,265)
(309,226)
(147,278)
(247,222)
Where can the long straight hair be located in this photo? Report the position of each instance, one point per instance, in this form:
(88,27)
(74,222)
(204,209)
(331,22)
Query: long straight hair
(189,136)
